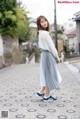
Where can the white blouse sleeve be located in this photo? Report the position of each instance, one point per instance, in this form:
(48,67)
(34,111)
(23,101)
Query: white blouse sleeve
(51,46)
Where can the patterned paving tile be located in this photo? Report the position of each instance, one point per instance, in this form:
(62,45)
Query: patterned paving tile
(18,85)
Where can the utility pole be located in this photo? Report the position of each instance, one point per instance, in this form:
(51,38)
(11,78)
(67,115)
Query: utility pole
(55,26)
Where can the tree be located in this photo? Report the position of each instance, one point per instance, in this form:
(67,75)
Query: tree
(6,5)
(13,20)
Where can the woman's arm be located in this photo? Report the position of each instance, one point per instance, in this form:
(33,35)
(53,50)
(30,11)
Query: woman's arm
(51,46)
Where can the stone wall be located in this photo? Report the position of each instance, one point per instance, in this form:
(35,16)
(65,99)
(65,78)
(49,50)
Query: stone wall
(7,47)
(11,50)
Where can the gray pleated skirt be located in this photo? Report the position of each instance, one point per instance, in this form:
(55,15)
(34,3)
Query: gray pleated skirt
(48,73)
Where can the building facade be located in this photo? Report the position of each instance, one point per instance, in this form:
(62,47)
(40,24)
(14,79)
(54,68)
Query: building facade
(77,19)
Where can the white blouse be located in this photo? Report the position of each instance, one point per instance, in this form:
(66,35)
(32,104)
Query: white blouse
(46,43)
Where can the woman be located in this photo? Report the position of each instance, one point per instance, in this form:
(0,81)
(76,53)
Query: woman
(49,75)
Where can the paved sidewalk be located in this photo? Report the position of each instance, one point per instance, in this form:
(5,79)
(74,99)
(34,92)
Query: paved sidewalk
(18,85)
(75,62)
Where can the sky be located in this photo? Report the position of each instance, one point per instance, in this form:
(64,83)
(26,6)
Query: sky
(64,11)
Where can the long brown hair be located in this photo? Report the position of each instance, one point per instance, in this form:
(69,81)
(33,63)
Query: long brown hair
(39,27)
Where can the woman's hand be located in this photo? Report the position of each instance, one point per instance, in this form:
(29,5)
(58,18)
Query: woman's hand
(57,62)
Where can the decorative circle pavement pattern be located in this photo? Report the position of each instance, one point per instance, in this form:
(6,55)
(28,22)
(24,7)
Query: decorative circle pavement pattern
(16,95)
(7,105)
(77,106)
(41,116)
(67,101)
(42,105)
(13,97)
(32,110)
(70,111)
(3,100)
(62,117)
(20,116)
(51,110)
(24,105)
(34,100)
(60,105)
(13,110)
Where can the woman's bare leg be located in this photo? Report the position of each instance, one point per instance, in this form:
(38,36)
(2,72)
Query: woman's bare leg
(47,91)
(42,90)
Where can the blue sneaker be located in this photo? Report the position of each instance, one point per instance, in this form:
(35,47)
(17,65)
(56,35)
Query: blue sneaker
(41,96)
(50,98)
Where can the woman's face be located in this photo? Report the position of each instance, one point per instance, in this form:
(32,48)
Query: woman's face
(44,23)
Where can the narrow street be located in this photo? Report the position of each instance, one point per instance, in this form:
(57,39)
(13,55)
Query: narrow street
(19,84)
